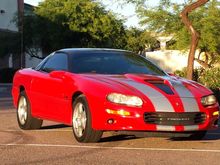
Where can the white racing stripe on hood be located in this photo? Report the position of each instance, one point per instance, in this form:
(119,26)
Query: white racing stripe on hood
(160,102)
(189,102)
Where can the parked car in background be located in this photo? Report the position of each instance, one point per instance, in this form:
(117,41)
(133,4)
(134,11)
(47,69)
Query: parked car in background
(96,90)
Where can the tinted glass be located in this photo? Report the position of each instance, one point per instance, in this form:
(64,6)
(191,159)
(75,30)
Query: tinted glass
(40,65)
(110,62)
(58,61)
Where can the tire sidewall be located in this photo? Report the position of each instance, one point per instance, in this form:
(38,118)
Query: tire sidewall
(26,124)
(82,99)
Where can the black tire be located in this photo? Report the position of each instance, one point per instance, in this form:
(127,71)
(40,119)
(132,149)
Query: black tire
(28,122)
(198,135)
(88,134)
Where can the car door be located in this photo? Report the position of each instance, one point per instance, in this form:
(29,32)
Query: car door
(48,92)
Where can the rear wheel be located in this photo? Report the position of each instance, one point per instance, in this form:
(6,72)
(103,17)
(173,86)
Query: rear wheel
(24,117)
(81,122)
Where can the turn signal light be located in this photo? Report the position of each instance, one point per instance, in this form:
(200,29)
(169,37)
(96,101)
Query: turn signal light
(118,112)
(216,113)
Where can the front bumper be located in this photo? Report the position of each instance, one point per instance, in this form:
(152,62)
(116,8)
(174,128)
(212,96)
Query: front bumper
(136,121)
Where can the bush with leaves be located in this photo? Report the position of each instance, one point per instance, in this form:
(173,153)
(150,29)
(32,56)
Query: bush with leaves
(196,73)
(210,78)
(180,73)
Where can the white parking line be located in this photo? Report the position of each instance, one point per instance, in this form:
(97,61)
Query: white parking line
(112,148)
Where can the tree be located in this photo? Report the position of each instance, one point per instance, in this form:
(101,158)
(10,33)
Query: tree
(165,17)
(58,24)
(139,40)
(194,34)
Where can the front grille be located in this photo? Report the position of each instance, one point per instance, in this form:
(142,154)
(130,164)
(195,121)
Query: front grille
(172,119)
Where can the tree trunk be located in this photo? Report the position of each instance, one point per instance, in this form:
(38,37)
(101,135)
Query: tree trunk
(204,64)
(194,34)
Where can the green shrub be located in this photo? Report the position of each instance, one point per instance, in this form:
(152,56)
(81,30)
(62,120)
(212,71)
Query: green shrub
(210,78)
(182,73)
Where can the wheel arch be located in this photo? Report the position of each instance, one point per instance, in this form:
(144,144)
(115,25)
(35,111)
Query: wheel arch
(76,94)
(21,88)
(91,134)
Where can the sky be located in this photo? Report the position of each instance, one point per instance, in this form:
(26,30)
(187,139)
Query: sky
(127,11)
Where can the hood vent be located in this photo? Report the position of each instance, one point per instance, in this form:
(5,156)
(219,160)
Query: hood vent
(160,84)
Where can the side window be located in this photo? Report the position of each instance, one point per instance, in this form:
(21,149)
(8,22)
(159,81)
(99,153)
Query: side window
(39,66)
(58,61)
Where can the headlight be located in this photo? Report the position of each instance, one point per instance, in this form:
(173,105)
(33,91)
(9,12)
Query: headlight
(208,100)
(124,99)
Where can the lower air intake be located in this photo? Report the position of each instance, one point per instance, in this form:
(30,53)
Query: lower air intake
(172,119)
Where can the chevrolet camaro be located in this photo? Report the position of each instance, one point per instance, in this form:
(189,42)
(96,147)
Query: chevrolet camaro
(97,90)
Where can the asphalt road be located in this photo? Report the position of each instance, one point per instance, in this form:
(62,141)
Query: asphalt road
(54,144)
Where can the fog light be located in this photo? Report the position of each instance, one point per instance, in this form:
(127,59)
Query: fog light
(110,121)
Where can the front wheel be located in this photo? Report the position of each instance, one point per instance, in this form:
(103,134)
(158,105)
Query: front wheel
(81,122)
(24,117)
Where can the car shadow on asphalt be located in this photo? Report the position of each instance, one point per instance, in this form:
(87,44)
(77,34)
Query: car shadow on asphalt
(208,137)
(116,138)
(55,126)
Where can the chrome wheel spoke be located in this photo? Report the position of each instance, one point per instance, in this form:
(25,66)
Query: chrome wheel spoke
(84,120)
(80,131)
(79,119)
(22,110)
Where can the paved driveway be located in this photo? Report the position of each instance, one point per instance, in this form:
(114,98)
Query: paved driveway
(54,144)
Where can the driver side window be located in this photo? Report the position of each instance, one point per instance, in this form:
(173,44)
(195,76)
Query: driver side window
(58,61)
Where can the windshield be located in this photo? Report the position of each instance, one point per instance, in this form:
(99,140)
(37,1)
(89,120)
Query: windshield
(113,62)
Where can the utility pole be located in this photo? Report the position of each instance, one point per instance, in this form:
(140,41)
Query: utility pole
(21,31)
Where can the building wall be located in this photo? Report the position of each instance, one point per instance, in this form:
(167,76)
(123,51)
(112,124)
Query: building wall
(8,10)
(170,60)
(31,62)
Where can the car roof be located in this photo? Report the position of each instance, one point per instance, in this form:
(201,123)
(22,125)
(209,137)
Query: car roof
(74,50)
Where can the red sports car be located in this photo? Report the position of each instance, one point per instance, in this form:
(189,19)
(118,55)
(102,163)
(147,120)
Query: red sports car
(97,90)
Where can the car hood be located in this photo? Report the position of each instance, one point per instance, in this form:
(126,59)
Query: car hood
(162,93)
(154,86)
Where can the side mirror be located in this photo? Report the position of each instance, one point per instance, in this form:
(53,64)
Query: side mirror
(57,74)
